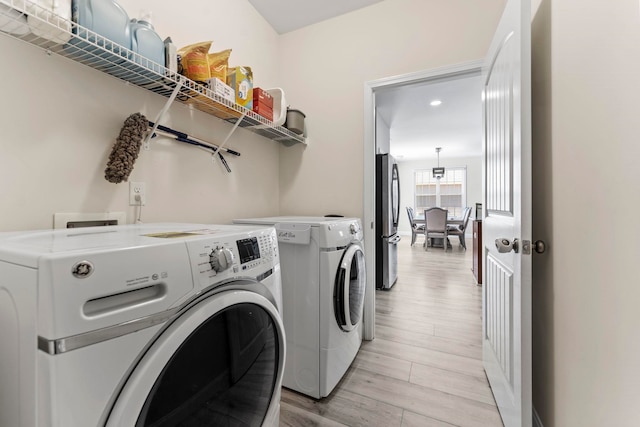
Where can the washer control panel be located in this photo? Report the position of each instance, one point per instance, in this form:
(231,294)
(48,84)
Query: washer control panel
(256,250)
(221,259)
(217,259)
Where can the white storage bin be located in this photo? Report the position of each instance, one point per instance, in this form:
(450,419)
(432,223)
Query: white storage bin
(279,106)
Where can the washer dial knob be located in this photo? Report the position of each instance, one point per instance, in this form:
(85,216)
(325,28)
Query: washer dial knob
(221,259)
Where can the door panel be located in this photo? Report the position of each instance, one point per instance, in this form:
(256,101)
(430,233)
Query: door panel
(499,129)
(499,332)
(507,197)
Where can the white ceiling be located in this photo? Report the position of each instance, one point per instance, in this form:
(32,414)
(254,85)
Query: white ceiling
(289,15)
(416,127)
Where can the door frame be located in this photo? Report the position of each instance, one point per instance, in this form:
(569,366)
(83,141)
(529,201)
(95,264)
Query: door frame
(471,68)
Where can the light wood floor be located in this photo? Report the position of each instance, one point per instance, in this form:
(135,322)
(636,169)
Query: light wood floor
(424,368)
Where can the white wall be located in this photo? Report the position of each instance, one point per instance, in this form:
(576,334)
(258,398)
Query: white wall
(60,119)
(586,198)
(407,182)
(325,67)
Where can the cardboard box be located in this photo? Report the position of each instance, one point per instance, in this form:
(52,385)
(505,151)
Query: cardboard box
(214,108)
(263,97)
(222,89)
(241,80)
(264,111)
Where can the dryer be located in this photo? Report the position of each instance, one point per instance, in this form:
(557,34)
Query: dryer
(323,284)
(136,325)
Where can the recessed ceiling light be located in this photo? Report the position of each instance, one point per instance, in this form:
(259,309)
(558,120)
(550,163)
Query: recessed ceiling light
(435,102)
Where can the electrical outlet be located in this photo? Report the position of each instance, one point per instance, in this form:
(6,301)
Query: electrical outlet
(137,194)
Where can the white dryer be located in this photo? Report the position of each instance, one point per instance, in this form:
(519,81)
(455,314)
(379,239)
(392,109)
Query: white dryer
(323,285)
(139,325)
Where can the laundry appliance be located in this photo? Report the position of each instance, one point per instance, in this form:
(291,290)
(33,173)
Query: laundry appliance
(139,325)
(323,286)
(387,218)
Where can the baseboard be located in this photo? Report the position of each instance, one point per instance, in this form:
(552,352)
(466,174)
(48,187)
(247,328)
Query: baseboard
(536,419)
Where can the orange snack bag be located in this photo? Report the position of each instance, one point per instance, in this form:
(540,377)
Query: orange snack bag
(195,61)
(218,64)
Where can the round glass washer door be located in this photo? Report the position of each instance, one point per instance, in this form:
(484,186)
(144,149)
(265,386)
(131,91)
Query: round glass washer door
(349,288)
(219,363)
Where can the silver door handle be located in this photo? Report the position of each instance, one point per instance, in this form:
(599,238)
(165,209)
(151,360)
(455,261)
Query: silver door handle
(505,245)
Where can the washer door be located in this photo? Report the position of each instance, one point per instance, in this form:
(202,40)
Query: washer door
(348,292)
(219,363)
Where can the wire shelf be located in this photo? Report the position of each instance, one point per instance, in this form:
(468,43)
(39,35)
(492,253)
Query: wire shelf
(70,40)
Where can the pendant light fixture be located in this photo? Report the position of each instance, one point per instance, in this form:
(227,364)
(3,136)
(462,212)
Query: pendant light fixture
(438,172)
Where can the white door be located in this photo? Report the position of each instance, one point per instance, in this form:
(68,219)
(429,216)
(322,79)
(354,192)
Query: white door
(506,325)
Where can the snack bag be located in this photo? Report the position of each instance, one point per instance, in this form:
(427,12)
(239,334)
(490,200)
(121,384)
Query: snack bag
(218,64)
(195,61)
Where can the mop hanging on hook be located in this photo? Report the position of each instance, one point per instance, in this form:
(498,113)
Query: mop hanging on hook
(126,149)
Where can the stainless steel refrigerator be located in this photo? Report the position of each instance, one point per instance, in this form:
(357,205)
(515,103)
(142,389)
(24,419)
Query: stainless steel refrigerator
(387,217)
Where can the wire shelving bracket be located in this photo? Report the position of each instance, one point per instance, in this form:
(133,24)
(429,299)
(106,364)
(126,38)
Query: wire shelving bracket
(162,112)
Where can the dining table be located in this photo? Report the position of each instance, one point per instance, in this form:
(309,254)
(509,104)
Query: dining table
(418,219)
(451,220)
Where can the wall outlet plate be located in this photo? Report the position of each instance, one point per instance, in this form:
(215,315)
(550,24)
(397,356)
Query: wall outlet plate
(137,194)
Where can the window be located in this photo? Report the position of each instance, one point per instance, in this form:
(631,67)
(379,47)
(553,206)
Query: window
(449,192)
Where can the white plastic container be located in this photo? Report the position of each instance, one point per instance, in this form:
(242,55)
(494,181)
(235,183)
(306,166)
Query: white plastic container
(49,19)
(279,106)
(12,21)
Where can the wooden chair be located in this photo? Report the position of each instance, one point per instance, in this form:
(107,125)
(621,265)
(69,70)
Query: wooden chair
(436,227)
(415,228)
(459,230)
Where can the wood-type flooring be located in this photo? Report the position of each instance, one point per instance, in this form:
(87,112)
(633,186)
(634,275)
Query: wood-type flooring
(424,368)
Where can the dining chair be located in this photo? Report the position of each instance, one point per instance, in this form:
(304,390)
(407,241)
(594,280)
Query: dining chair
(415,228)
(436,227)
(459,229)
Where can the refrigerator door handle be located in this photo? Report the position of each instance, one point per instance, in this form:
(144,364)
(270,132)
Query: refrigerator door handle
(395,190)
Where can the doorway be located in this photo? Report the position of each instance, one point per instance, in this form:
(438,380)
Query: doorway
(374,91)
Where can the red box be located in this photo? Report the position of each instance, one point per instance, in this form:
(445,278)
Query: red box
(263,110)
(262,97)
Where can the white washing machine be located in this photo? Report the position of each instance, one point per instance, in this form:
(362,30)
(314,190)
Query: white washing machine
(323,286)
(140,325)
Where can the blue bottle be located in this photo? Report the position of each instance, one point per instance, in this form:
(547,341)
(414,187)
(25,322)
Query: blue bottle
(148,44)
(107,19)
